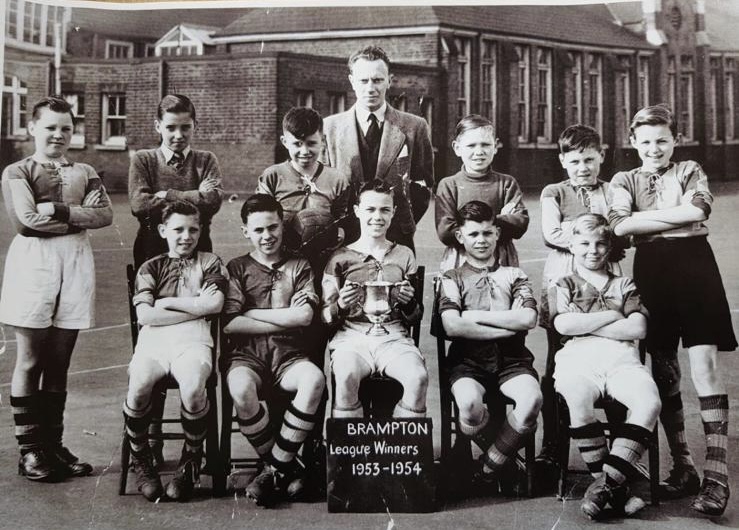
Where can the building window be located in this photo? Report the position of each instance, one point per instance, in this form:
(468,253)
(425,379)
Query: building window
(729,94)
(304,98)
(426,105)
(623,84)
(336,102)
(593,85)
(575,110)
(31,23)
(114,120)
(488,80)
(78,109)
(672,83)
(522,94)
(687,79)
(115,49)
(15,110)
(544,95)
(464,53)
(150,50)
(179,41)
(643,84)
(713,96)
(398,102)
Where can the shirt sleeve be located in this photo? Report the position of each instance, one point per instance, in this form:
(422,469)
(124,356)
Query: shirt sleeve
(96,216)
(445,211)
(522,290)
(551,220)
(21,203)
(450,296)
(514,217)
(304,282)
(632,302)
(560,299)
(207,202)
(140,194)
(620,199)
(146,284)
(215,272)
(233,305)
(266,184)
(695,179)
(330,285)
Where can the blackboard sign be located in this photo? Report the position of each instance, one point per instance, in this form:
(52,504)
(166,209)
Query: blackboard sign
(378,465)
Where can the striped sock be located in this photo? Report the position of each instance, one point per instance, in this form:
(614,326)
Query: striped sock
(404,411)
(257,431)
(715,416)
(53,404)
(591,442)
(483,434)
(195,426)
(673,423)
(137,427)
(27,418)
(295,428)
(508,441)
(354,411)
(628,447)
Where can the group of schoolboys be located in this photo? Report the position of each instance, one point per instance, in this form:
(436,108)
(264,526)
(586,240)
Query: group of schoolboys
(268,297)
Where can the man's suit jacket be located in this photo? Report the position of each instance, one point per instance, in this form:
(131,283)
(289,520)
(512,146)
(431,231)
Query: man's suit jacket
(405,155)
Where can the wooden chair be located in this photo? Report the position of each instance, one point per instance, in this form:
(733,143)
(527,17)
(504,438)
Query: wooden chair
(213,465)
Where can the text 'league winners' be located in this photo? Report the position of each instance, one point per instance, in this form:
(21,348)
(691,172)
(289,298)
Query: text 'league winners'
(379,465)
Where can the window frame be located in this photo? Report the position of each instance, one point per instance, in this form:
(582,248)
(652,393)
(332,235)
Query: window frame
(109,140)
(545,107)
(118,44)
(336,102)
(730,69)
(489,79)
(686,117)
(463,45)
(593,96)
(643,63)
(17,91)
(304,98)
(623,85)
(74,98)
(39,35)
(523,97)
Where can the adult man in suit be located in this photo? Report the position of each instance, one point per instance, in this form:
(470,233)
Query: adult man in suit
(373,140)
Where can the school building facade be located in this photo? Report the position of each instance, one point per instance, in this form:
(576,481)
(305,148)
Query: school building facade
(532,70)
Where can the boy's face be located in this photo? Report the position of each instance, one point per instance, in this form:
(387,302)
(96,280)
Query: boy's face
(182,233)
(303,153)
(479,239)
(264,230)
(370,81)
(582,166)
(176,129)
(51,132)
(375,212)
(476,148)
(590,250)
(655,144)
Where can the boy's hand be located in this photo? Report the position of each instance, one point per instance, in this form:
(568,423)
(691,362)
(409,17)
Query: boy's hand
(207,185)
(162,194)
(517,303)
(349,294)
(511,206)
(404,292)
(92,199)
(209,290)
(45,208)
(298,299)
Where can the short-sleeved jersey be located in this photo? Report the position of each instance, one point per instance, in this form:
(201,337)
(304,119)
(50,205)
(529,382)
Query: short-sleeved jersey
(347,264)
(638,191)
(254,285)
(164,277)
(27,183)
(573,294)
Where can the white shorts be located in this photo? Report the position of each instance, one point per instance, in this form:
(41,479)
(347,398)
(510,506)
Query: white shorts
(165,344)
(377,352)
(49,282)
(607,363)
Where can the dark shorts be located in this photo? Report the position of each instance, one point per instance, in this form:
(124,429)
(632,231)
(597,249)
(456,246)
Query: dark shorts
(490,363)
(681,286)
(264,356)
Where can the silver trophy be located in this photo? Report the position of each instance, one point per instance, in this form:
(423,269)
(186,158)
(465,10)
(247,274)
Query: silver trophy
(377,305)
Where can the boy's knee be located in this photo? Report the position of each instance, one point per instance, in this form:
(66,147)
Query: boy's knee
(415,379)
(243,393)
(313,382)
(193,398)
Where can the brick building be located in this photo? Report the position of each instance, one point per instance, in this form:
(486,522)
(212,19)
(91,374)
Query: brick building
(532,69)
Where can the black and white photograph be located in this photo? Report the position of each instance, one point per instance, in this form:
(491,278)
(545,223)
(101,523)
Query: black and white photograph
(369,265)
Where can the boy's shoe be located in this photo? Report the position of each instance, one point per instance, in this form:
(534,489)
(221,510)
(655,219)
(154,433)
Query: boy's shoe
(547,469)
(682,481)
(712,499)
(596,497)
(262,489)
(181,486)
(512,478)
(483,481)
(147,478)
(37,465)
(624,502)
(68,464)
(292,484)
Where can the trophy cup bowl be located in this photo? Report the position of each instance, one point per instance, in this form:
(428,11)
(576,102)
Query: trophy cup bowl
(377,305)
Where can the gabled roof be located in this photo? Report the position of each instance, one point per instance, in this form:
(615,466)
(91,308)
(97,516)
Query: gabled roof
(589,24)
(191,31)
(150,24)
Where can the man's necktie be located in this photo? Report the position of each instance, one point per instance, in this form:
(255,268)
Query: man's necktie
(373,132)
(177,161)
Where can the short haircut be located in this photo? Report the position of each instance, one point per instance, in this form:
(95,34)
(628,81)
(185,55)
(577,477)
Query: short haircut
(376,185)
(301,122)
(579,137)
(181,207)
(175,103)
(473,121)
(592,223)
(260,202)
(654,115)
(369,53)
(476,211)
(53,103)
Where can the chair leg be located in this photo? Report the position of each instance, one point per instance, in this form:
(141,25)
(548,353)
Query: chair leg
(530,455)
(563,437)
(654,466)
(212,452)
(125,463)
(227,419)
